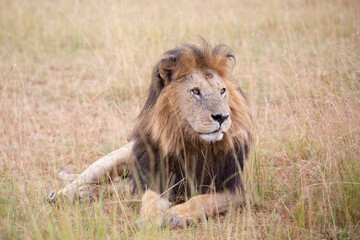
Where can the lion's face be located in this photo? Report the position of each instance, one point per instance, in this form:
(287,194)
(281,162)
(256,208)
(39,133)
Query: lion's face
(192,99)
(203,101)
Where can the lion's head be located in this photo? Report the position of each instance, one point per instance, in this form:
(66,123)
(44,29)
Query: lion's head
(192,100)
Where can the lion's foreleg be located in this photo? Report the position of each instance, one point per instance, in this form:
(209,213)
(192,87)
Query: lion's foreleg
(112,165)
(201,206)
(153,208)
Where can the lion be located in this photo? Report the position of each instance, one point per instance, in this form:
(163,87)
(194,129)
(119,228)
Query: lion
(189,144)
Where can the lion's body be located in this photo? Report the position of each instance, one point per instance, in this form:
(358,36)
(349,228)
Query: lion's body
(192,136)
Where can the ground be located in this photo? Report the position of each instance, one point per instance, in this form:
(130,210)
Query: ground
(74,75)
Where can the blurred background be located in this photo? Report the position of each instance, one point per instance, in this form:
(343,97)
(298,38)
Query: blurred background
(75,74)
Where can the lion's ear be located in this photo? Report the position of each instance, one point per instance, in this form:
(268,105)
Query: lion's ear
(166,68)
(225,60)
(161,77)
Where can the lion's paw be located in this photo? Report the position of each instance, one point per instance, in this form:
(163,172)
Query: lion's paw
(56,197)
(52,198)
(86,194)
(179,222)
(180,216)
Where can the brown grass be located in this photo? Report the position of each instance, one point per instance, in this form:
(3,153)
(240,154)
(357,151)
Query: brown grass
(74,75)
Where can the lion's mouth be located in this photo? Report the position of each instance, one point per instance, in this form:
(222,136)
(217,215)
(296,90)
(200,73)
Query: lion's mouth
(211,137)
(217,130)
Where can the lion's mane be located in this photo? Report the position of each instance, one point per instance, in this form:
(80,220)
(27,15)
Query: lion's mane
(169,154)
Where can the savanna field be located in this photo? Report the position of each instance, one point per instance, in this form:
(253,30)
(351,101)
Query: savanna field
(75,74)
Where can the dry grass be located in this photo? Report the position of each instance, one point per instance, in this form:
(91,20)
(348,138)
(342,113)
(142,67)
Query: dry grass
(74,74)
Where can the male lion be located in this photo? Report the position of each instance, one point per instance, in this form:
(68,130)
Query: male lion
(191,139)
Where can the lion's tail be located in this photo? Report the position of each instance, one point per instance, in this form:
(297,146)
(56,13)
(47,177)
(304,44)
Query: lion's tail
(64,175)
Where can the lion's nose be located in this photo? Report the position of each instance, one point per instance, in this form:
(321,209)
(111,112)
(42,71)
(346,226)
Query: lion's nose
(220,117)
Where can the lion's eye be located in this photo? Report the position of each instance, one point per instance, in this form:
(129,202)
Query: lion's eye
(196,91)
(222,91)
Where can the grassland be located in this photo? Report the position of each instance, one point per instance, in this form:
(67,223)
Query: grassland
(74,75)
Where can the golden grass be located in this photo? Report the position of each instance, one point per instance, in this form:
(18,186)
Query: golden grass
(74,75)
